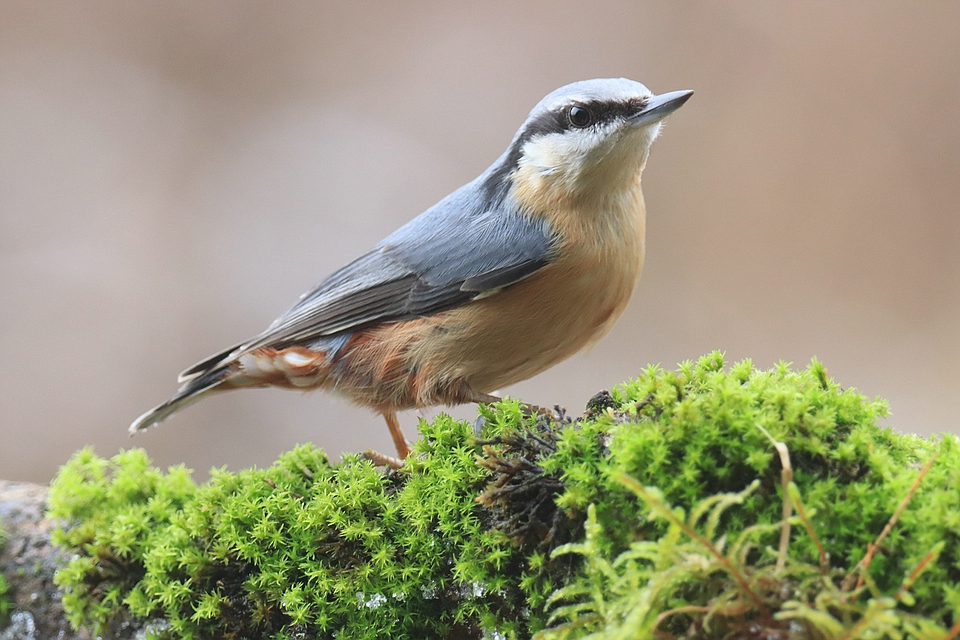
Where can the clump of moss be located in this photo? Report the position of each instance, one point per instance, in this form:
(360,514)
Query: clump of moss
(302,549)
(698,441)
(559,527)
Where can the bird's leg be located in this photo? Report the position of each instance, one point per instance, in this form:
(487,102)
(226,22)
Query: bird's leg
(399,441)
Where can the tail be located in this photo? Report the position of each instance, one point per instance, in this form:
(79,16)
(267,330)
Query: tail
(191,392)
(215,361)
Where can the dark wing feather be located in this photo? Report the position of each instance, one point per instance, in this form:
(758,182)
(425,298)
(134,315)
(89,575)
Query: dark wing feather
(459,249)
(502,277)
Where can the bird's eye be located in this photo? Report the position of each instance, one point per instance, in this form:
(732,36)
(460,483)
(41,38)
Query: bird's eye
(580,117)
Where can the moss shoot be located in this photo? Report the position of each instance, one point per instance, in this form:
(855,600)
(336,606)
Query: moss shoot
(666,511)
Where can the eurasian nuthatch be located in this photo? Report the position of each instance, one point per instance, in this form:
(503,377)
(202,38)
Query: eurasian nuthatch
(505,277)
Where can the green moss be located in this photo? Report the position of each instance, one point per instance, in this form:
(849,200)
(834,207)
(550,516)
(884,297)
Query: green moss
(6,598)
(559,527)
(303,549)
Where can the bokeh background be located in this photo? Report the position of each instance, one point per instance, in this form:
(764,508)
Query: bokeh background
(174,174)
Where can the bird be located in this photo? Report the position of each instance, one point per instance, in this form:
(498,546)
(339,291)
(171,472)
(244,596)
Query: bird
(529,263)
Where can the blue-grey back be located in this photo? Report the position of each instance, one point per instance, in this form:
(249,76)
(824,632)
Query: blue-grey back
(422,268)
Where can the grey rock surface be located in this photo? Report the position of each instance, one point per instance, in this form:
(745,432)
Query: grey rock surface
(28,562)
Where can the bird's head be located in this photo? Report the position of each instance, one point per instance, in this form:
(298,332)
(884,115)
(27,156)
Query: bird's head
(584,138)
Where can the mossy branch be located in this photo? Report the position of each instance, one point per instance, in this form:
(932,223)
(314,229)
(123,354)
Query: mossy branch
(528,529)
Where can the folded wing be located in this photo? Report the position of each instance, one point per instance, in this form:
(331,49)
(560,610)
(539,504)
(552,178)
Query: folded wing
(456,251)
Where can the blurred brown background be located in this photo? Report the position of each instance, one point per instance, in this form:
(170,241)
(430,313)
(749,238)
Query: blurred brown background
(173,175)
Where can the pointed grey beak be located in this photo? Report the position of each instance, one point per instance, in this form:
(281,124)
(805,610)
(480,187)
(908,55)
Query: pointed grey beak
(659,107)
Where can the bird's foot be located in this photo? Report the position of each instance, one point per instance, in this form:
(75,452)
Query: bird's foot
(383,460)
(556,414)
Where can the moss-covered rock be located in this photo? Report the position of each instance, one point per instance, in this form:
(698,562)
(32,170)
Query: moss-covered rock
(660,511)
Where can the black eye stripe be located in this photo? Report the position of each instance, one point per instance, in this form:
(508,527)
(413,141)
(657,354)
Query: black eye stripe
(607,111)
(553,121)
(558,120)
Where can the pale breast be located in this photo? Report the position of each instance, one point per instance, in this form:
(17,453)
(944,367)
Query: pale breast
(538,322)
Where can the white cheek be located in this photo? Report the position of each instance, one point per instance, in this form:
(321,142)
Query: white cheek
(541,156)
(560,155)
(574,160)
